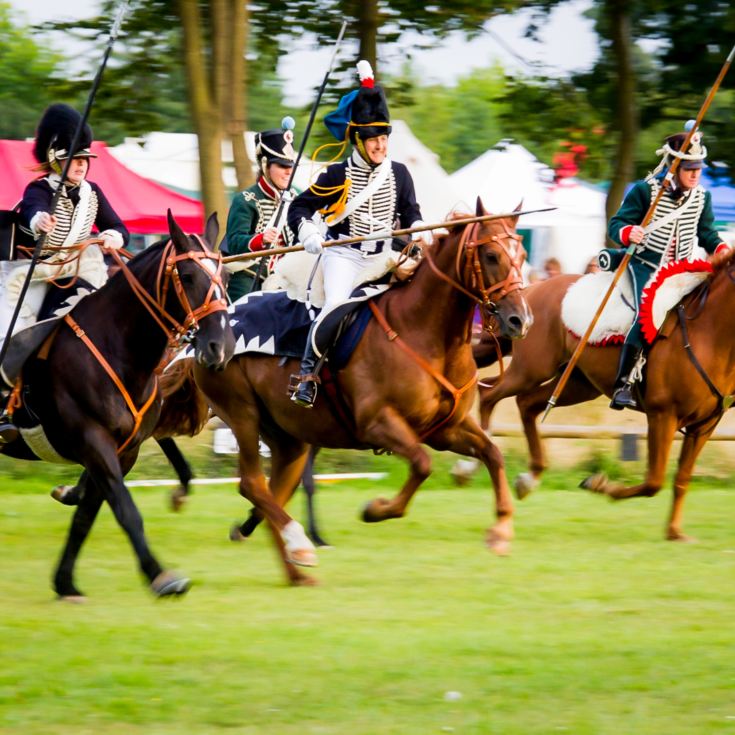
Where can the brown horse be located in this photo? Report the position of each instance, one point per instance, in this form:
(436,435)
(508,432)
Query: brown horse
(689,378)
(410,381)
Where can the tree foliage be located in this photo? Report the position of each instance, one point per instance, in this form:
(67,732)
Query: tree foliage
(29,77)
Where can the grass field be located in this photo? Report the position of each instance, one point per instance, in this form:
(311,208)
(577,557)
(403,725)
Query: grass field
(593,625)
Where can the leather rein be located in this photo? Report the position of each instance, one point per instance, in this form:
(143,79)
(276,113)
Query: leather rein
(177,332)
(473,276)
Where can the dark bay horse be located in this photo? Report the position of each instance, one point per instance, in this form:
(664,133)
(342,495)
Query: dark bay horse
(94,389)
(677,395)
(410,381)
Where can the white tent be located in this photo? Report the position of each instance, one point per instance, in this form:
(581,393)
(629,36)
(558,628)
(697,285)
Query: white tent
(172,159)
(507,174)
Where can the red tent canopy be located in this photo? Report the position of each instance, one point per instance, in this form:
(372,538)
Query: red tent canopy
(141,203)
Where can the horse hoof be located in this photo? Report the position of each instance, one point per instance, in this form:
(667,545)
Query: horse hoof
(682,538)
(462,471)
(167,584)
(497,543)
(524,485)
(237,535)
(72,599)
(178,498)
(374,510)
(319,541)
(64,494)
(595,483)
(303,558)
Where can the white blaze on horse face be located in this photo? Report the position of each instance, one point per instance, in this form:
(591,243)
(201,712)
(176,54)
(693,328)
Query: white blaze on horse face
(210,266)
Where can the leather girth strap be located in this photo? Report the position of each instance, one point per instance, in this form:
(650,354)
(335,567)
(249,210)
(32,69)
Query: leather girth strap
(456,393)
(137,414)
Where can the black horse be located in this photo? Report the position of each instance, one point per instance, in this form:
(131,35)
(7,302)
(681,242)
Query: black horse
(93,385)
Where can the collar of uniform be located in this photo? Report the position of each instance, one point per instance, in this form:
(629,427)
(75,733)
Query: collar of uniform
(360,162)
(266,188)
(54,180)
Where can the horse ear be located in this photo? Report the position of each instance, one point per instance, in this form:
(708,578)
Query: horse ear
(479,208)
(517,209)
(211,230)
(177,234)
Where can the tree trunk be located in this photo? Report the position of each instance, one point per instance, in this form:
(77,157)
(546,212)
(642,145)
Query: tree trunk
(626,103)
(237,118)
(205,114)
(368,22)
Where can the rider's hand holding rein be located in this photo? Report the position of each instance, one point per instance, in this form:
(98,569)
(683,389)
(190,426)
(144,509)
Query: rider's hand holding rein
(42,222)
(424,238)
(112,239)
(310,237)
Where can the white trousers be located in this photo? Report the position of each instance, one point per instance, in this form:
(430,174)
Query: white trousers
(341,266)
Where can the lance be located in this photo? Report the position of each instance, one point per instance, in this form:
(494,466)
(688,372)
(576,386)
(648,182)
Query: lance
(287,193)
(668,180)
(114,31)
(386,234)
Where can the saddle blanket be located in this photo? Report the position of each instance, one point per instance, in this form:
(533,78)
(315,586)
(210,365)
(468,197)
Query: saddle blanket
(272,323)
(667,286)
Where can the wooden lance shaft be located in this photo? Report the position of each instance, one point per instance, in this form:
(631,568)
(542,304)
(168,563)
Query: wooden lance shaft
(386,234)
(668,179)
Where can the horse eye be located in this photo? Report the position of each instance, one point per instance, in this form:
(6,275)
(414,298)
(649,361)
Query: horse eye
(491,258)
(187,279)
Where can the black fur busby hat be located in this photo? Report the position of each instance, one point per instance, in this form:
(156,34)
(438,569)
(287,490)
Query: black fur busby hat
(370,116)
(55,135)
(276,146)
(363,112)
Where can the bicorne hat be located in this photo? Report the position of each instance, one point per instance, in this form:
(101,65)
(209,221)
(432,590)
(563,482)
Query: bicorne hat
(276,146)
(362,112)
(55,135)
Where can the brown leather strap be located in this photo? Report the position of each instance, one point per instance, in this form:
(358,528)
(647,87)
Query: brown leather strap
(138,414)
(456,393)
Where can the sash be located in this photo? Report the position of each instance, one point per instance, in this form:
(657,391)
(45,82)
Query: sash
(364,195)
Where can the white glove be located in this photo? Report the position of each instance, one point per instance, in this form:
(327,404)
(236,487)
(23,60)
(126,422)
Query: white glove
(426,237)
(112,239)
(310,237)
(42,222)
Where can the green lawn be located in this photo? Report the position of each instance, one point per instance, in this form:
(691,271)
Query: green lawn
(593,625)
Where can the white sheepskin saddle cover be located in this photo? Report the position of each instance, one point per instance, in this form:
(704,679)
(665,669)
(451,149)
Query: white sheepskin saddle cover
(293,272)
(665,289)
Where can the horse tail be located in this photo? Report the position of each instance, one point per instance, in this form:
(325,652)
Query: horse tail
(185,410)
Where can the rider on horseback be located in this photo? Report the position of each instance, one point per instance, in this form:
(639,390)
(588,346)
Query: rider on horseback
(250,223)
(361,196)
(80,207)
(682,219)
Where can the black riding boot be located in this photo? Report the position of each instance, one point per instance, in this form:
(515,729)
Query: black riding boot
(623,389)
(305,393)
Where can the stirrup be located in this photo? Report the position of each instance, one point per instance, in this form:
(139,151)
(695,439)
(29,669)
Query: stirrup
(303,389)
(623,398)
(8,430)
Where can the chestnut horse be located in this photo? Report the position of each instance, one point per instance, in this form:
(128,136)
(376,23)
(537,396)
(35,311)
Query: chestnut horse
(94,389)
(689,380)
(410,381)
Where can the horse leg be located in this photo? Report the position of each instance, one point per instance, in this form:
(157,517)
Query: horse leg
(389,429)
(691,447)
(661,430)
(181,467)
(85,514)
(530,405)
(469,439)
(70,494)
(106,470)
(310,490)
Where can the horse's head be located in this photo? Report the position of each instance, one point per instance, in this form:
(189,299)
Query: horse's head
(198,293)
(488,265)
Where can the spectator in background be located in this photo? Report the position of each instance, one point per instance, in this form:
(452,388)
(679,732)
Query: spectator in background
(552,267)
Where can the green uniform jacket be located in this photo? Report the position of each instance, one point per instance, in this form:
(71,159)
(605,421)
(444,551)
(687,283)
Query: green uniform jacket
(250,213)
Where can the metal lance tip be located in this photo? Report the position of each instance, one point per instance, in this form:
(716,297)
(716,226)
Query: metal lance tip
(549,406)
